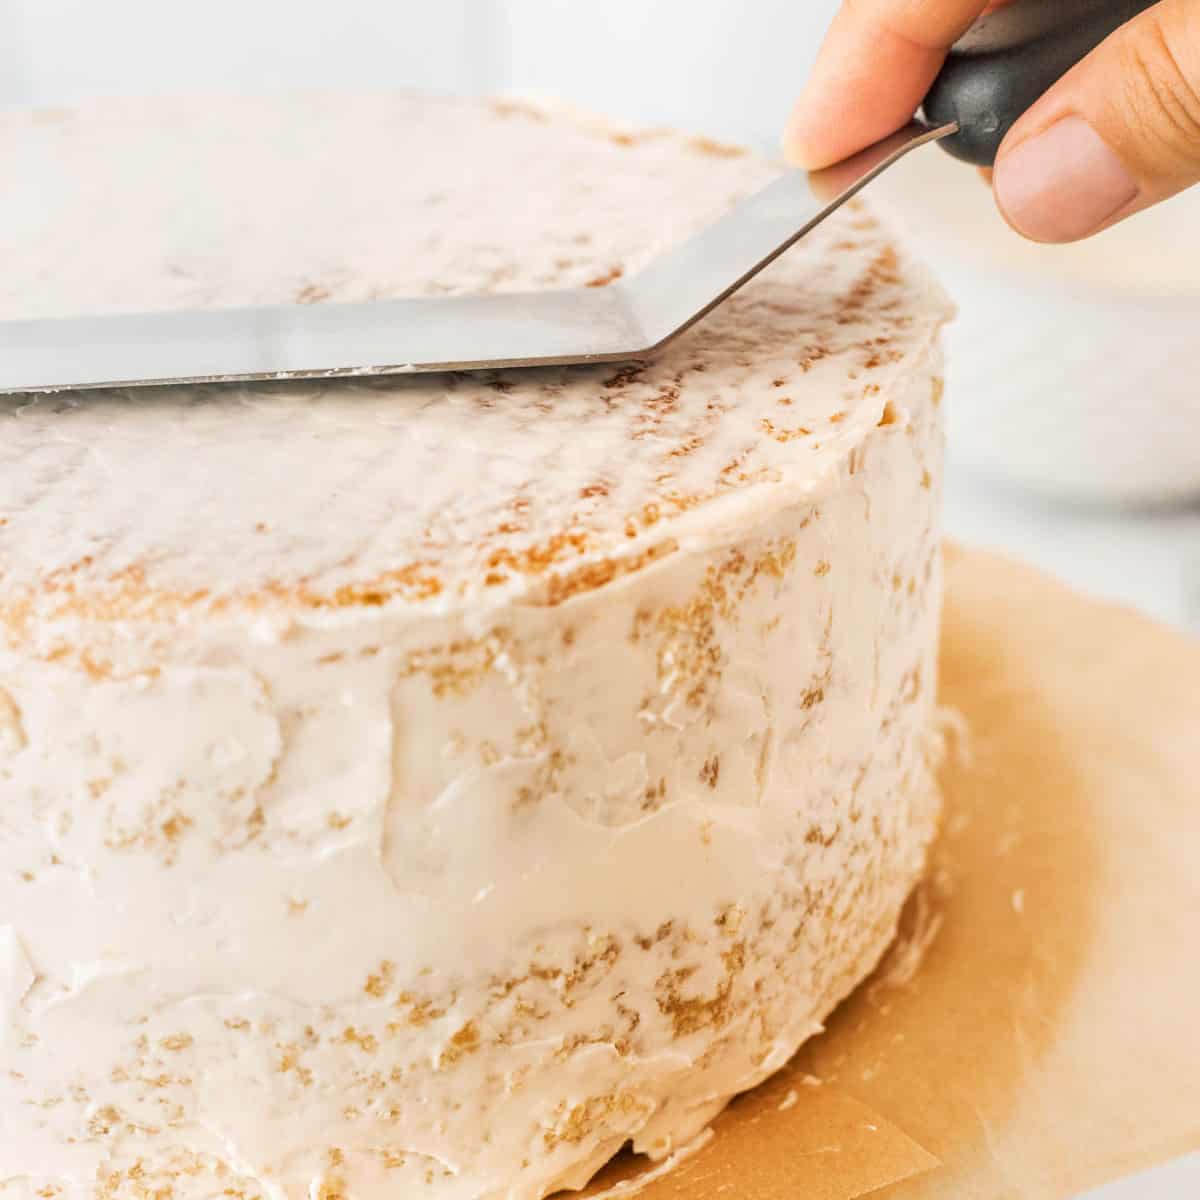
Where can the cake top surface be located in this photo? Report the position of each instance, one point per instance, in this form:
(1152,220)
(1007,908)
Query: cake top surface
(431,490)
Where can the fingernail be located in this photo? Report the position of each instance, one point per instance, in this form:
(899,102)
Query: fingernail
(1063,183)
(795,140)
(799,134)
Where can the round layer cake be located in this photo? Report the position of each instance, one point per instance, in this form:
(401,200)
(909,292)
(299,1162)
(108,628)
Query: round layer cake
(424,787)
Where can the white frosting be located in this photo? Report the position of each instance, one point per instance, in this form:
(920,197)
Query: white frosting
(425,786)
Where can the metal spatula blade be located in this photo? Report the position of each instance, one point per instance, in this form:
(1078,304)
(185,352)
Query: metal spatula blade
(1005,64)
(624,321)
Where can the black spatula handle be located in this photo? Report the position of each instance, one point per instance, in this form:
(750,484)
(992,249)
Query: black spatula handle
(1009,59)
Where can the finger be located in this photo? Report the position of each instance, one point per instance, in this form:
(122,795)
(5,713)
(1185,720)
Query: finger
(1119,132)
(878,61)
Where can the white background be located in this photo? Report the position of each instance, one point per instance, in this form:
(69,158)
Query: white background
(729,68)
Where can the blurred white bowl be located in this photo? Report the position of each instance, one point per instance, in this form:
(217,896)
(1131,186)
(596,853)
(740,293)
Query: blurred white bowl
(1073,371)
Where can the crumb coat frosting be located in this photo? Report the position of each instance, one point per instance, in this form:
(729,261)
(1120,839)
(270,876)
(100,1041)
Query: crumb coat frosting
(425,786)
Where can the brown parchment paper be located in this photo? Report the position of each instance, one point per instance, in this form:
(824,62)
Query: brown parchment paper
(1036,1029)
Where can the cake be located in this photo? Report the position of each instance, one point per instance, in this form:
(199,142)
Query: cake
(428,786)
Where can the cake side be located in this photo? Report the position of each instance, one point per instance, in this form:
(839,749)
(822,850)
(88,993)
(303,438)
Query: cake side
(470,906)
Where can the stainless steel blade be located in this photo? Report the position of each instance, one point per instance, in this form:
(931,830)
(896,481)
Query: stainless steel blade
(625,321)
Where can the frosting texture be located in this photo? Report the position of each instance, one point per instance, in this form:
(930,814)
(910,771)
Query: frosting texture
(423,787)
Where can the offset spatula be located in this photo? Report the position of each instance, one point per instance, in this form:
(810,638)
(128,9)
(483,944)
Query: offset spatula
(1006,62)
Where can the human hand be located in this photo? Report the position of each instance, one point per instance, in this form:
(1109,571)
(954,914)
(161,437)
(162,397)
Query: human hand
(1119,132)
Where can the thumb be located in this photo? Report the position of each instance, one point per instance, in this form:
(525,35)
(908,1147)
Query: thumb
(1119,132)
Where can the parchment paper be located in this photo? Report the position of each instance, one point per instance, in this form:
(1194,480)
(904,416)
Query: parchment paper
(1036,1029)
